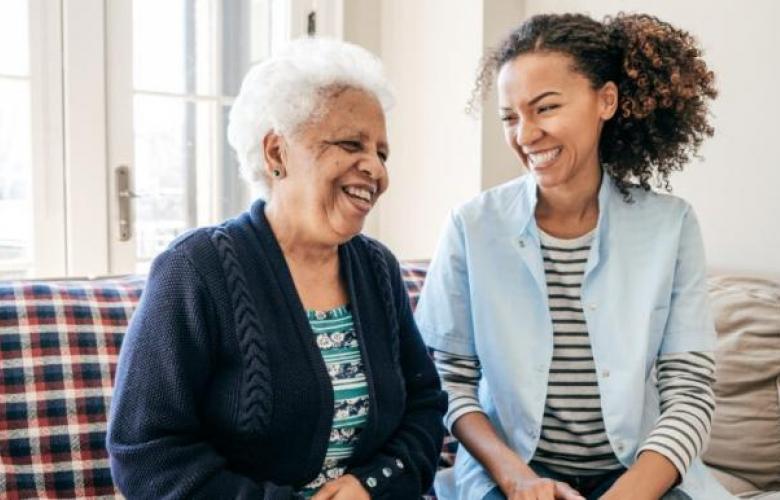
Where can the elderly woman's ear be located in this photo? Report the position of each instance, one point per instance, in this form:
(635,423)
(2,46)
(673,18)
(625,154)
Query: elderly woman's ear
(275,155)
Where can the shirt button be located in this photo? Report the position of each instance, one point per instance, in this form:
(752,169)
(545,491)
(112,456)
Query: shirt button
(592,306)
(521,243)
(619,446)
(605,373)
(371,482)
(387,472)
(399,464)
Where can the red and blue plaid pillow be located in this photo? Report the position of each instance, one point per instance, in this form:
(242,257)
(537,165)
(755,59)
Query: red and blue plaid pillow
(59,343)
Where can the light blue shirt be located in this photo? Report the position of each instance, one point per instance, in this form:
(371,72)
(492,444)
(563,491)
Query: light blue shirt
(644,294)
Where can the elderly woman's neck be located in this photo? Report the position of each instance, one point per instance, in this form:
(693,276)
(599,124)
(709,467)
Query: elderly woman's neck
(298,243)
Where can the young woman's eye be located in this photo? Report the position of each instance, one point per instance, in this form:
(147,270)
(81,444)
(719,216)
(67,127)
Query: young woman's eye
(508,118)
(548,107)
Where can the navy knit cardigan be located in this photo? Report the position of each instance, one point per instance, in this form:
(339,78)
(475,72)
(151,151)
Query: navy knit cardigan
(221,391)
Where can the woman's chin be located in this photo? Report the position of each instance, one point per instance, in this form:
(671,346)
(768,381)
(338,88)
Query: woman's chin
(348,227)
(545,179)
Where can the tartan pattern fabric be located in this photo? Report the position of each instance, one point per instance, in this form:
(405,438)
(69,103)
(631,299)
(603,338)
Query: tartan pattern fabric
(413,274)
(59,343)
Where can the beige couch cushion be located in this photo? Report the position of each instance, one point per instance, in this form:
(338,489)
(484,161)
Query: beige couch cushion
(745,439)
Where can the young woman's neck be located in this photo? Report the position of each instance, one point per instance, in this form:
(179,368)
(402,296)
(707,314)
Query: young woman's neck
(570,209)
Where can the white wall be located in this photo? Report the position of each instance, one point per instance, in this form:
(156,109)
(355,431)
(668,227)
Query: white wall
(430,49)
(735,189)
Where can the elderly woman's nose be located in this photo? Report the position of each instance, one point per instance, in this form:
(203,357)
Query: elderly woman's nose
(372,165)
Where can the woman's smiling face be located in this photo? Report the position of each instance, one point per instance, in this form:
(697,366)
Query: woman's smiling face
(335,166)
(553,116)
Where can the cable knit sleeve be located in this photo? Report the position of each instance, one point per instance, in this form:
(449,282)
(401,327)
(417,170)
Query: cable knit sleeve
(407,463)
(154,437)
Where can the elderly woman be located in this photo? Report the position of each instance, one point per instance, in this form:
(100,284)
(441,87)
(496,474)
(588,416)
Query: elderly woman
(275,355)
(552,298)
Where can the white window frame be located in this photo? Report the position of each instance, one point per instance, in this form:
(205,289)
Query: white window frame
(84,99)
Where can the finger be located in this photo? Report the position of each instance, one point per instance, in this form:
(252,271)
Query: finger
(545,490)
(326,492)
(349,494)
(565,492)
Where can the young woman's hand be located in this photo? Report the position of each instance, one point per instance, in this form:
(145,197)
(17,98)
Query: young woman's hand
(347,487)
(541,489)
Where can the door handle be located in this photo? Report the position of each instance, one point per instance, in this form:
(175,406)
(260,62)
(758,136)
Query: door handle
(124,195)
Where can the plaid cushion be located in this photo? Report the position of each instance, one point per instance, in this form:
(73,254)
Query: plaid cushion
(59,343)
(413,274)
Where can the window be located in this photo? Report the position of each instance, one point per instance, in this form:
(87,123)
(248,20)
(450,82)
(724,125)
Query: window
(148,87)
(31,196)
(189,58)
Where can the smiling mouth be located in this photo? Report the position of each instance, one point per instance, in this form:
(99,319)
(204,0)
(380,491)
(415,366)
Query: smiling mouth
(364,195)
(537,160)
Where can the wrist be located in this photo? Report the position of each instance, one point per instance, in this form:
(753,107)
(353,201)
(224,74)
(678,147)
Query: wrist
(511,475)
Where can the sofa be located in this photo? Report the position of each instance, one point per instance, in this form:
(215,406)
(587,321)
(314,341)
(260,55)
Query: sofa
(60,340)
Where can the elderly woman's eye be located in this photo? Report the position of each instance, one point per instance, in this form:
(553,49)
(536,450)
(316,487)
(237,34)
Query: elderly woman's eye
(351,146)
(508,118)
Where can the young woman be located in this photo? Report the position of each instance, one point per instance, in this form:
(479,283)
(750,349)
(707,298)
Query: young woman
(553,299)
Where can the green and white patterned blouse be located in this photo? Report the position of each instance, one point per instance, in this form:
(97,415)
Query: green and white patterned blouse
(338,343)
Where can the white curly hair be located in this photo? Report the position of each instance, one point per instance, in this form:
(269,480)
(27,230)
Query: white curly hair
(288,89)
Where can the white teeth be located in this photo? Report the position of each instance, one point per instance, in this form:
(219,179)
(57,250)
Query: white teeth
(537,158)
(363,194)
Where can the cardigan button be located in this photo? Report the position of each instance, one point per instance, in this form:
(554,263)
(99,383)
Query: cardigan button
(371,482)
(387,471)
(399,464)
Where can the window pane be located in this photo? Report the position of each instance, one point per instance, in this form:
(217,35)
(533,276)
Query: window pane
(189,59)
(246,40)
(162,174)
(15,178)
(235,192)
(15,142)
(14,38)
(159,41)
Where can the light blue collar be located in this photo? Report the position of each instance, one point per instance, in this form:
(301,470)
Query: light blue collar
(526,240)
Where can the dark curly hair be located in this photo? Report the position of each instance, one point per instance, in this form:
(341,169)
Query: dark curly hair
(664,87)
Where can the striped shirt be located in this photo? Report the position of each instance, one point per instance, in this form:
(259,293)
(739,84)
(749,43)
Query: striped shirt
(573,439)
(335,336)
